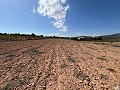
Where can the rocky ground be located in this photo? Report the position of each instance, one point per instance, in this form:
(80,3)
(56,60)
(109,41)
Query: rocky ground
(56,64)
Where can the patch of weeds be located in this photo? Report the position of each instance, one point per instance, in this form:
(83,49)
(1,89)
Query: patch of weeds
(9,86)
(8,52)
(71,59)
(82,76)
(33,51)
(103,58)
(92,48)
(104,76)
(82,59)
(21,81)
(10,55)
(110,69)
(63,65)
(13,84)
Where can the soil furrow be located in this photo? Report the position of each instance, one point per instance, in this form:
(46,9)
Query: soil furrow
(56,64)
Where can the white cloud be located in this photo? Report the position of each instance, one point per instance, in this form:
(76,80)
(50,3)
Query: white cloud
(34,9)
(56,9)
(64,29)
(63,1)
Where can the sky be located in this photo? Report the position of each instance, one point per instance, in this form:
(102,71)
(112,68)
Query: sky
(60,17)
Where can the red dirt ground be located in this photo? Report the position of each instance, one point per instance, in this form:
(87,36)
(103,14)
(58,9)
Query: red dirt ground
(56,64)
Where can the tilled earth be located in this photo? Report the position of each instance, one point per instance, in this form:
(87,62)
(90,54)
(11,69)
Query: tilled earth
(56,64)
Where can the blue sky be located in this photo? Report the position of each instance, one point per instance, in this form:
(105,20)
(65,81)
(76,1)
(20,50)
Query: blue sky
(84,17)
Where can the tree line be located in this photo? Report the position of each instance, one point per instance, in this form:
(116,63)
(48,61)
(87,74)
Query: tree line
(18,34)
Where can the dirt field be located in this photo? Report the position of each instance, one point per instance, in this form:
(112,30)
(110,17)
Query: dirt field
(59,65)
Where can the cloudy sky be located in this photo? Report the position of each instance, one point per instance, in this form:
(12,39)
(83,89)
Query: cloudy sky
(60,17)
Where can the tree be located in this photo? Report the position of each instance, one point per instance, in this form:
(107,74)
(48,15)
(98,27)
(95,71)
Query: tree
(5,33)
(33,35)
(1,33)
(41,36)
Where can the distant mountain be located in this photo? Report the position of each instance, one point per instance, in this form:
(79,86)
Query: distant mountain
(111,38)
(104,38)
(117,35)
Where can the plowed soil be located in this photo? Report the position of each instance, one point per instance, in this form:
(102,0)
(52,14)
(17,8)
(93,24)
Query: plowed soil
(56,64)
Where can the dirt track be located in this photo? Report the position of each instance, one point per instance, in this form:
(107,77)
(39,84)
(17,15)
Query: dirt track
(59,65)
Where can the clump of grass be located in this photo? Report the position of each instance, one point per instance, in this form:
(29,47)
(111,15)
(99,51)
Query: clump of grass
(9,86)
(82,76)
(82,59)
(104,76)
(110,69)
(71,59)
(103,58)
(21,81)
(10,55)
(63,65)
(33,51)
(13,84)
(92,48)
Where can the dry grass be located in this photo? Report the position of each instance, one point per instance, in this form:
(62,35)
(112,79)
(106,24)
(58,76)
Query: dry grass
(13,84)
(111,69)
(103,58)
(64,65)
(104,76)
(71,59)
